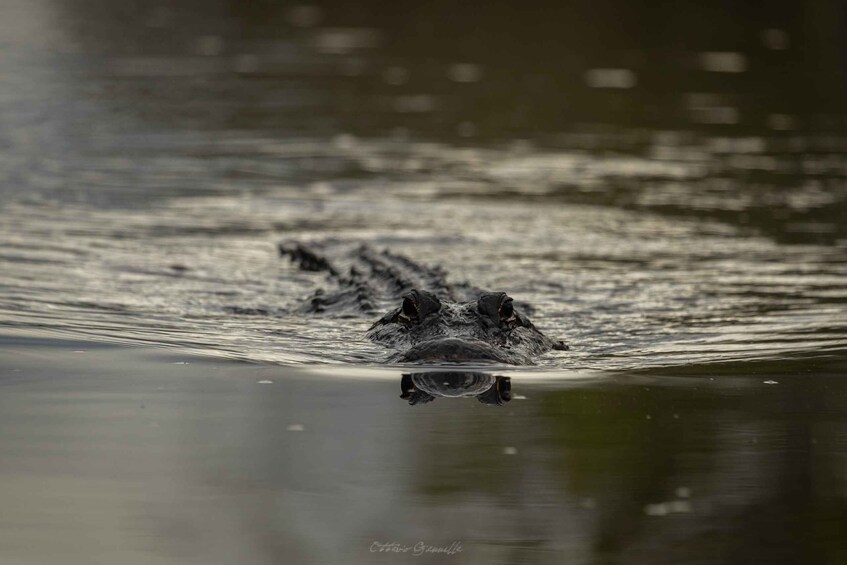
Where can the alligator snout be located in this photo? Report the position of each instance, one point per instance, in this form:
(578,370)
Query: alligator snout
(454,349)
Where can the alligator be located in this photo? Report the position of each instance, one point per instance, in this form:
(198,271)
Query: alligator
(435,321)
(421,388)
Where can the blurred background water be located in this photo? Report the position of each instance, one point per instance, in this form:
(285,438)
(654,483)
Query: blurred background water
(666,183)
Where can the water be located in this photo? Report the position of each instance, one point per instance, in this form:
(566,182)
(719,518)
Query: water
(625,286)
(132,456)
(666,187)
(146,184)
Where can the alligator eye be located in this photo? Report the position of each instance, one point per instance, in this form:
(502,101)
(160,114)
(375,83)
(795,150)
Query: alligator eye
(417,305)
(409,310)
(497,306)
(507,310)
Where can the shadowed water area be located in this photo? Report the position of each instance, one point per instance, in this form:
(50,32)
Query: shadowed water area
(663,187)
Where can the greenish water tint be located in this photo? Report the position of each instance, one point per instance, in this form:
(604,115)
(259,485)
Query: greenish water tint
(131,456)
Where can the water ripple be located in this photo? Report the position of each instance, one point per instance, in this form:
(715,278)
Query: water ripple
(627,287)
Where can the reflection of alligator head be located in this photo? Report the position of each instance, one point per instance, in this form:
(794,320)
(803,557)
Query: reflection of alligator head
(487,329)
(448,323)
(420,388)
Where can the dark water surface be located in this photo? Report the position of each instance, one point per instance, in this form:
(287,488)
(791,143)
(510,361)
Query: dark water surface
(117,455)
(666,185)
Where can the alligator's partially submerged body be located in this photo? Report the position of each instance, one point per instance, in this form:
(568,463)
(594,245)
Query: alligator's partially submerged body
(444,323)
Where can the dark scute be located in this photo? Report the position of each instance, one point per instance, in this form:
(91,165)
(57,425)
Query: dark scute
(306,258)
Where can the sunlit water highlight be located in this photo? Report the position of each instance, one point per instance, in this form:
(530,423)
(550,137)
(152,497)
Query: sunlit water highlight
(626,287)
(657,206)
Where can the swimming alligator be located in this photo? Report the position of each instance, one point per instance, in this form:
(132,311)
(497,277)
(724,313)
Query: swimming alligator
(444,323)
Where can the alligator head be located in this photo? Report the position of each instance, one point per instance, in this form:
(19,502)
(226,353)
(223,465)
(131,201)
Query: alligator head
(490,328)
